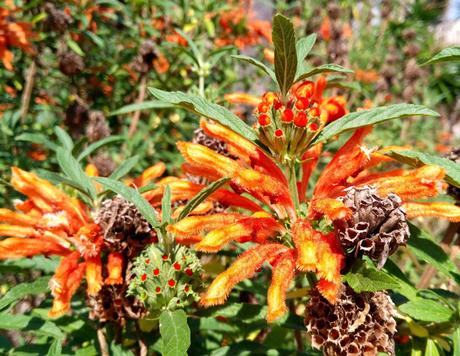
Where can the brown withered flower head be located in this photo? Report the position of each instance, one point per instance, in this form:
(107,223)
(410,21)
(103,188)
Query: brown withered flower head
(98,127)
(377,226)
(76,117)
(104,163)
(126,234)
(70,63)
(452,190)
(56,20)
(146,55)
(357,324)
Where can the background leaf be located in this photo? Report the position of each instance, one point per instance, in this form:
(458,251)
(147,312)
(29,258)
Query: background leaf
(449,54)
(258,64)
(372,116)
(64,138)
(418,159)
(146,105)
(303,48)
(426,310)
(364,277)
(175,333)
(24,289)
(98,144)
(322,69)
(205,108)
(283,36)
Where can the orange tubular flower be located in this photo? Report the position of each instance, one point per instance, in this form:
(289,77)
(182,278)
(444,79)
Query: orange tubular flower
(51,223)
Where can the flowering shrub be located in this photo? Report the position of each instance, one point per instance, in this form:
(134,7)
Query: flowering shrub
(284,229)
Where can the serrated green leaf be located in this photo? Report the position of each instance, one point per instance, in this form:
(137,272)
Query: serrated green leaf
(322,69)
(166,205)
(364,277)
(371,117)
(426,310)
(24,289)
(303,48)
(283,37)
(146,105)
(201,106)
(425,249)
(98,144)
(201,196)
(449,54)
(64,138)
(124,168)
(38,139)
(258,64)
(418,159)
(175,333)
(133,196)
(75,47)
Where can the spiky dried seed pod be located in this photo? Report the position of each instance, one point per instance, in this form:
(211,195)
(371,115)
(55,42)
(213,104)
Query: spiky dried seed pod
(333,10)
(76,117)
(358,324)
(411,50)
(377,226)
(112,304)
(412,72)
(125,229)
(145,56)
(104,164)
(56,20)
(452,190)
(70,63)
(98,127)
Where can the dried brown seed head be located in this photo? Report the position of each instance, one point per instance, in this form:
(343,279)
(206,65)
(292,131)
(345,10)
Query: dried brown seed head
(70,63)
(97,128)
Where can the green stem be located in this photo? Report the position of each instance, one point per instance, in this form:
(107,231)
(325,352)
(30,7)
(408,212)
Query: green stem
(293,183)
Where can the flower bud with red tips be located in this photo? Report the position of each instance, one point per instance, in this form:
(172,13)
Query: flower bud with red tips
(279,133)
(315,112)
(269,97)
(302,104)
(305,90)
(287,116)
(313,126)
(300,119)
(264,120)
(277,104)
(263,107)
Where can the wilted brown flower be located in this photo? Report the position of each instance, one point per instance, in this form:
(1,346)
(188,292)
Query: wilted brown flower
(377,226)
(70,63)
(358,324)
(104,164)
(56,20)
(97,128)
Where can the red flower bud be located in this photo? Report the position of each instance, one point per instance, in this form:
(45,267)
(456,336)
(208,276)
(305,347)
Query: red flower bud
(264,120)
(277,104)
(287,115)
(315,112)
(164,257)
(156,271)
(176,266)
(144,277)
(300,119)
(171,283)
(302,104)
(147,261)
(189,272)
(279,133)
(263,107)
(158,289)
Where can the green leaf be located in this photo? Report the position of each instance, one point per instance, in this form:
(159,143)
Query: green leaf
(146,105)
(418,159)
(73,170)
(201,106)
(425,249)
(56,178)
(98,144)
(364,277)
(24,289)
(55,348)
(64,138)
(75,47)
(133,196)
(303,48)
(258,64)
(322,69)
(283,36)
(38,139)
(426,310)
(371,117)
(166,205)
(201,196)
(431,348)
(124,168)
(28,323)
(193,47)
(118,350)
(175,333)
(449,54)
(456,339)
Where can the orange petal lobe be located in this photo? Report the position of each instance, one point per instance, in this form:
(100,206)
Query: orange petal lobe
(444,210)
(115,269)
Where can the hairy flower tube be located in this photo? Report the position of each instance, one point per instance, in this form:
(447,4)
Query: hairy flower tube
(283,235)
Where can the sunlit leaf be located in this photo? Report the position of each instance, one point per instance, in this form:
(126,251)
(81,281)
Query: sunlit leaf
(322,69)
(449,54)
(175,333)
(426,310)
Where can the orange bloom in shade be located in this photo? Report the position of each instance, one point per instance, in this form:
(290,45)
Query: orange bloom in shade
(51,223)
(13,34)
(241,98)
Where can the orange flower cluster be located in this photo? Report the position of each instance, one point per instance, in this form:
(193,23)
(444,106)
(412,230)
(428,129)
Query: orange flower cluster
(13,34)
(239,28)
(284,237)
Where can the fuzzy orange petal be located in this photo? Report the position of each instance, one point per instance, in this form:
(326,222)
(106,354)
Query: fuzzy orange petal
(310,160)
(305,240)
(282,274)
(257,229)
(348,161)
(241,98)
(150,174)
(10,217)
(93,274)
(332,208)
(330,258)
(244,267)
(16,247)
(115,269)
(329,290)
(444,210)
